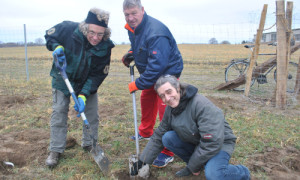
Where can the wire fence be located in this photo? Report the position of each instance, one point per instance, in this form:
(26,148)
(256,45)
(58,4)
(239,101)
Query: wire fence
(204,63)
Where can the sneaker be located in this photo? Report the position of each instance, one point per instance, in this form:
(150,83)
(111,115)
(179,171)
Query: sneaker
(52,159)
(162,160)
(87,148)
(183,172)
(132,138)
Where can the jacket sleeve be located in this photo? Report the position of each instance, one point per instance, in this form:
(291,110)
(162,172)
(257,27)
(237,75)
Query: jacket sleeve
(97,74)
(56,35)
(155,146)
(210,121)
(159,50)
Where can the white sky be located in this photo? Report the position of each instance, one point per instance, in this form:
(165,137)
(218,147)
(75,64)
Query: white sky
(178,15)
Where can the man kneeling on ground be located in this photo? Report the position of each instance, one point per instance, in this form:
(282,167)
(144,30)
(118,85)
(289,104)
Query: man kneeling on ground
(195,130)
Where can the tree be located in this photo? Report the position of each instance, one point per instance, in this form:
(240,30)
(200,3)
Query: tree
(225,42)
(245,42)
(39,41)
(213,41)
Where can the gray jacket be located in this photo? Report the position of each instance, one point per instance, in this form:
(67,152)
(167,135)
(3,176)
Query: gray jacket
(200,123)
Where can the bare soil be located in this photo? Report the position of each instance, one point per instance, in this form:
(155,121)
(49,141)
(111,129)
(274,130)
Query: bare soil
(21,148)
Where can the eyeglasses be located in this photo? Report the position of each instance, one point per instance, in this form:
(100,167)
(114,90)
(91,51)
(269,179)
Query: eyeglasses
(92,33)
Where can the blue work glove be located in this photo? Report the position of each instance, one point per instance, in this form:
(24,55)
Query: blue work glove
(81,104)
(59,51)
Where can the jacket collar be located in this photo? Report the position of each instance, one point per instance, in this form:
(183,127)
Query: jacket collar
(140,27)
(187,92)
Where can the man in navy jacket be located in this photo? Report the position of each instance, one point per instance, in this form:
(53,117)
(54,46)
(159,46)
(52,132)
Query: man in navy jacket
(155,53)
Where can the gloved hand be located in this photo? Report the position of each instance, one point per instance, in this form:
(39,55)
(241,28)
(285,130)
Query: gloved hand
(135,167)
(59,51)
(81,104)
(127,58)
(132,87)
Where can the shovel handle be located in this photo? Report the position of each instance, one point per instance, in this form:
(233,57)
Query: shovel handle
(134,113)
(60,67)
(62,70)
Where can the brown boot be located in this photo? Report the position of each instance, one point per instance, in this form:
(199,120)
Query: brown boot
(52,159)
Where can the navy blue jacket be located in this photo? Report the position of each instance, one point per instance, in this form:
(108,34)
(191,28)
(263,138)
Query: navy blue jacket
(155,51)
(87,65)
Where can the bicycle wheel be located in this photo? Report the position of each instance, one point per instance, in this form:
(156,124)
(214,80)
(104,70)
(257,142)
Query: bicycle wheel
(235,70)
(291,77)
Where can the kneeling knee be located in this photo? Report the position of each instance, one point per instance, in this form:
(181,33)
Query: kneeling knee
(167,139)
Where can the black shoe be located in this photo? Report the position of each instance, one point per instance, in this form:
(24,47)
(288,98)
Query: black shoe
(183,172)
(52,159)
(87,148)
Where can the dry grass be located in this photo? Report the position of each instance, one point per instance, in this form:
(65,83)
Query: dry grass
(27,105)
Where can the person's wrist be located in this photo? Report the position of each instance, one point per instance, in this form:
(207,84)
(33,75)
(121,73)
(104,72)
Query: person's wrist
(60,46)
(82,97)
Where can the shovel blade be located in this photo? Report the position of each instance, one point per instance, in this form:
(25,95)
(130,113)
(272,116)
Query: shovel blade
(101,159)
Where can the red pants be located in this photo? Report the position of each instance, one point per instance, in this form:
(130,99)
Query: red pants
(150,105)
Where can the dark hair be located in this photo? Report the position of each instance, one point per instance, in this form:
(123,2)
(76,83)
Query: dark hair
(167,78)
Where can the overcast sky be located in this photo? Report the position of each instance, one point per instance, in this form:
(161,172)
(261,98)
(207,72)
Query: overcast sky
(178,15)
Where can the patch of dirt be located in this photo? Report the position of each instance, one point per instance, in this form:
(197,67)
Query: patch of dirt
(107,111)
(9,101)
(23,147)
(277,163)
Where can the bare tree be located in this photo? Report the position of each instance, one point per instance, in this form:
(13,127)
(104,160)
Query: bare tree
(213,41)
(39,41)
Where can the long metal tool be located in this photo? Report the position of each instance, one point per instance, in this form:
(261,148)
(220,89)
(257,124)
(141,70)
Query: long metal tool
(134,157)
(134,113)
(96,151)
(144,172)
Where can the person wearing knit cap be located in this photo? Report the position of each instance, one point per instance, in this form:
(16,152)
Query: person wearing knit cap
(86,49)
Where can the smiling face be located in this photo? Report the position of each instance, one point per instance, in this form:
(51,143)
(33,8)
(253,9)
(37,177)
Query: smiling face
(169,95)
(134,16)
(95,34)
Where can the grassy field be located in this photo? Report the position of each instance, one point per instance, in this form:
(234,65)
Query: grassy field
(26,111)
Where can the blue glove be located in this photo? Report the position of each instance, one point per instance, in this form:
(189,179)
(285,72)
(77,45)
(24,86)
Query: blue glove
(81,104)
(59,51)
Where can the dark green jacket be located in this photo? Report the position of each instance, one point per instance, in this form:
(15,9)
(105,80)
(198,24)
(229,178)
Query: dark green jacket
(87,65)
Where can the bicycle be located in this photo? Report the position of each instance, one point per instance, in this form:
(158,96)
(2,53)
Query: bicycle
(239,66)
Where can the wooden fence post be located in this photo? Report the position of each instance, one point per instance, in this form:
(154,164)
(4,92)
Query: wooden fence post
(281,55)
(255,52)
(297,84)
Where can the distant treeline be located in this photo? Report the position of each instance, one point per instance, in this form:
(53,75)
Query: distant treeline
(13,44)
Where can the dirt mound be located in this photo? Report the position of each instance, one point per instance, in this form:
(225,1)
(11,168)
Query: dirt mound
(9,101)
(23,147)
(277,163)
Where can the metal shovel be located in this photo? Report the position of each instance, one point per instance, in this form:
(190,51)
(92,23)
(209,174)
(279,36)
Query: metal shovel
(96,151)
(144,172)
